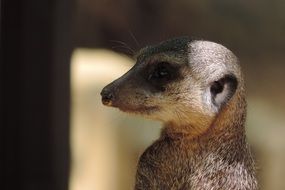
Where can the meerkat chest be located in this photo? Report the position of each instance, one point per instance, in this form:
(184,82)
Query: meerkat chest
(175,165)
(165,165)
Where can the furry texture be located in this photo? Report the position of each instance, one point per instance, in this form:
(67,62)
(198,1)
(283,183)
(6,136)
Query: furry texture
(186,85)
(218,159)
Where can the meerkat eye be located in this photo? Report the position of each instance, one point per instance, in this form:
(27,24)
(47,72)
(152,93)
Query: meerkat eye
(160,72)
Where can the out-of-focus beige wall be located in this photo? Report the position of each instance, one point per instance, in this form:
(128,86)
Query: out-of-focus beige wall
(105,143)
(265,130)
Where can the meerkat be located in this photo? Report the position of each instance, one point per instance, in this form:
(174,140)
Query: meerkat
(196,88)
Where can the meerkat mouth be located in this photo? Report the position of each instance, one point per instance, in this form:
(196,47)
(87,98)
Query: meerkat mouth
(139,110)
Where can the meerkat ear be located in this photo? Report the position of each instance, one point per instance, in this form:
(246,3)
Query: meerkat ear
(223,89)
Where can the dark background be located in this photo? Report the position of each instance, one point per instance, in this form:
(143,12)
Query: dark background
(37,39)
(36,46)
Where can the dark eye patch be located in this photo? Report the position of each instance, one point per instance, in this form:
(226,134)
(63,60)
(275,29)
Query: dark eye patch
(159,74)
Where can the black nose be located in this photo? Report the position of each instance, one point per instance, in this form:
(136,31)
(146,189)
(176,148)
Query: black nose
(107,96)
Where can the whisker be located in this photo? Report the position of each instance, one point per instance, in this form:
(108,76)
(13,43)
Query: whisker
(134,38)
(119,42)
(130,51)
(123,45)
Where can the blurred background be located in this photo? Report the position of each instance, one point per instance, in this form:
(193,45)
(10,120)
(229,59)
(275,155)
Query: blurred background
(57,55)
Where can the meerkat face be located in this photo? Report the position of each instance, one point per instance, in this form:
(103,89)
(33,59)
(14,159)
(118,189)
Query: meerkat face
(178,81)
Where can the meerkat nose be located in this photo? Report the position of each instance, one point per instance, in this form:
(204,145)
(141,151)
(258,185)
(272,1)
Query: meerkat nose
(107,97)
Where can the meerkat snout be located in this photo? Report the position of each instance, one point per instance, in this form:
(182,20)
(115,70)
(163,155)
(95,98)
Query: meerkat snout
(107,97)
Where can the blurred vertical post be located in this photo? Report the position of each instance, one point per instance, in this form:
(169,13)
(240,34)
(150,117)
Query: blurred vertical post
(35,60)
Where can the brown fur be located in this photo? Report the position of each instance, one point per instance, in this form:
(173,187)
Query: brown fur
(218,159)
(202,145)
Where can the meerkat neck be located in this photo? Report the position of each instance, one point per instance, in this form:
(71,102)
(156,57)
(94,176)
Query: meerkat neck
(226,132)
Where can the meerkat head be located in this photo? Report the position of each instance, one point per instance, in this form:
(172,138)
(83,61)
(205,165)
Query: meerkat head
(179,81)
